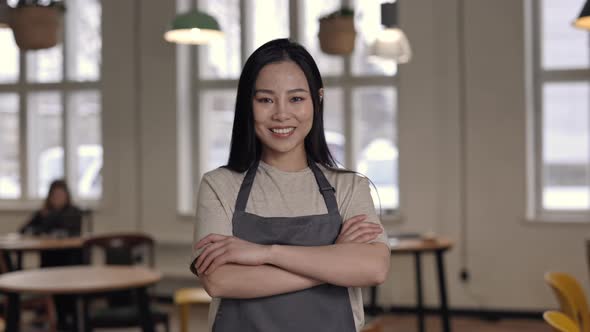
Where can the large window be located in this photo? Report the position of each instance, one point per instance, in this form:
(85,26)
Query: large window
(560,100)
(50,111)
(360,100)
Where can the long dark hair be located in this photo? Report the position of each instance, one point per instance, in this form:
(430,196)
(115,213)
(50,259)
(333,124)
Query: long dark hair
(58,184)
(246,148)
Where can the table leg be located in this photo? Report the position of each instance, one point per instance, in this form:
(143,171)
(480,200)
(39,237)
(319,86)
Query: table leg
(145,316)
(81,319)
(7,259)
(372,307)
(442,286)
(19,261)
(13,313)
(419,295)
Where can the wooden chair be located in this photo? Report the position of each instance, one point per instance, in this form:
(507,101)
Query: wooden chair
(571,298)
(560,322)
(121,249)
(184,297)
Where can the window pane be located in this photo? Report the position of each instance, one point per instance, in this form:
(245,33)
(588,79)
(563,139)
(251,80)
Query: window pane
(9,61)
(334,124)
(45,66)
(45,141)
(216,119)
(84,42)
(563,45)
(312,10)
(85,144)
(270,20)
(222,58)
(375,127)
(565,146)
(368,25)
(9,146)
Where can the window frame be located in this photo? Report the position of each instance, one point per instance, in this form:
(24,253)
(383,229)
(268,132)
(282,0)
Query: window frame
(188,104)
(535,77)
(23,88)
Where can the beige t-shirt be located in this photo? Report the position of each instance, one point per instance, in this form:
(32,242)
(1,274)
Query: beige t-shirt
(277,193)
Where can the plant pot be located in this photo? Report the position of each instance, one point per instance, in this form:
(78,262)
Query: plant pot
(36,27)
(337,35)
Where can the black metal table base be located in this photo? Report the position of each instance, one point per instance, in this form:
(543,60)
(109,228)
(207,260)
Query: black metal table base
(373,309)
(81,318)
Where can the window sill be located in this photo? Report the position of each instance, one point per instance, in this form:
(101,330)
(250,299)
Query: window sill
(555,221)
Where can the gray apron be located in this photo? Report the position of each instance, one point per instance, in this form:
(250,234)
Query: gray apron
(322,308)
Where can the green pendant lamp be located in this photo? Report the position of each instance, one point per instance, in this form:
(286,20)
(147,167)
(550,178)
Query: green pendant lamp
(583,20)
(193,27)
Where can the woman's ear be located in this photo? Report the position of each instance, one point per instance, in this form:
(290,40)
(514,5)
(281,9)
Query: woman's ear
(321,95)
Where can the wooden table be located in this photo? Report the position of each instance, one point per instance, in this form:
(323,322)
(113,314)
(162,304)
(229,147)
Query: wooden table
(417,247)
(80,281)
(15,243)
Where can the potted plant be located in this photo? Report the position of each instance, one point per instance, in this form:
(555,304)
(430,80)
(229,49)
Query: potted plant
(337,33)
(36,24)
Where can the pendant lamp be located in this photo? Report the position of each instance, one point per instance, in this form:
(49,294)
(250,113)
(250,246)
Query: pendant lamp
(583,20)
(193,27)
(391,43)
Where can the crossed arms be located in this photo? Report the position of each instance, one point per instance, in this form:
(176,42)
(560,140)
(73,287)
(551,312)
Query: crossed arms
(234,268)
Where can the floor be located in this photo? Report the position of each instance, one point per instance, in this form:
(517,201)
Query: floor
(392,323)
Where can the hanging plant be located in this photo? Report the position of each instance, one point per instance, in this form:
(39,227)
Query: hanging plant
(337,33)
(37,24)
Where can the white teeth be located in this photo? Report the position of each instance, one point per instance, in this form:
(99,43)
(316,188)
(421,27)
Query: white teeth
(282,130)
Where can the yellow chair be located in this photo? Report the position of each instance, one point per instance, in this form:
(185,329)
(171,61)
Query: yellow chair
(571,297)
(560,322)
(184,297)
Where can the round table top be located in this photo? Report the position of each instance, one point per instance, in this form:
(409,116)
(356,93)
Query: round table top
(28,243)
(80,279)
(419,245)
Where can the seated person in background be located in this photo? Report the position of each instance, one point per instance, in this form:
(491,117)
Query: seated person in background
(58,216)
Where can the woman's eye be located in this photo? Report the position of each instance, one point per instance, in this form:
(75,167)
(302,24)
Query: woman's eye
(296,99)
(264,100)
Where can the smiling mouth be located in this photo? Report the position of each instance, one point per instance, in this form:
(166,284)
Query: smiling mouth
(282,132)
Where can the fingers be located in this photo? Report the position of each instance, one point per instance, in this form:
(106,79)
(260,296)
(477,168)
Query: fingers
(361,225)
(210,239)
(352,221)
(364,232)
(211,257)
(220,260)
(207,252)
(366,238)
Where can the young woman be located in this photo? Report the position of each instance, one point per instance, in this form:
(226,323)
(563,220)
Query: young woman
(273,250)
(61,218)
(58,216)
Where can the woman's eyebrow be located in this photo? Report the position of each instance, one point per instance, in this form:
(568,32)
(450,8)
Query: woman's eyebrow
(272,92)
(264,91)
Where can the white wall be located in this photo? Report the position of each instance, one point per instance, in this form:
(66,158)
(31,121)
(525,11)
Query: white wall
(462,147)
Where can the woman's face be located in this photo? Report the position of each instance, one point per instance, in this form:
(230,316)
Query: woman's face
(283,108)
(58,198)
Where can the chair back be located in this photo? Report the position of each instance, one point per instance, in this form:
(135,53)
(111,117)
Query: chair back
(571,298)
(560,322)
(120,249)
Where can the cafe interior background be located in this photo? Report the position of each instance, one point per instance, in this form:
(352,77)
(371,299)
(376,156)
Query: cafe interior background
(479,133)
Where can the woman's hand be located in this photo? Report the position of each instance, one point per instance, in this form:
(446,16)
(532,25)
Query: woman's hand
(357,230)
(221,249)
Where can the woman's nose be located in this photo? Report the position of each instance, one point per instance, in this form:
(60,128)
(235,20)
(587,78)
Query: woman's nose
(281,112)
